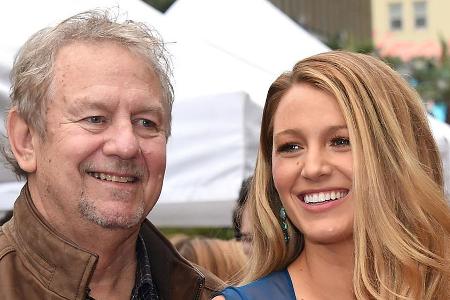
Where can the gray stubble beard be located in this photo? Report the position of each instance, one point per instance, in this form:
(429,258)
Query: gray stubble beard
(90,212)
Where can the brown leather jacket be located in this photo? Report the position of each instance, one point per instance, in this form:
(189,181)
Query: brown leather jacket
(38,263)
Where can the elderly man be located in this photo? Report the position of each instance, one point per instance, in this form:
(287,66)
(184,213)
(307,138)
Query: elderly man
(88,127)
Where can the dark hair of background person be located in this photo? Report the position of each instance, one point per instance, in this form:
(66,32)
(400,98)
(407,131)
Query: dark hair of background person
(239,208)
(6,217)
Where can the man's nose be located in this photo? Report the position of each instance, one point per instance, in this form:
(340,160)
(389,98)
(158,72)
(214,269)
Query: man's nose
(121,140)
(315,164)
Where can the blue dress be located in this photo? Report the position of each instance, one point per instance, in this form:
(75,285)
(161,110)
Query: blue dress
(276,285)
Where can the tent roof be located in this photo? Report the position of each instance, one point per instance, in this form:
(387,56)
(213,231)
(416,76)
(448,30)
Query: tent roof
(254,32)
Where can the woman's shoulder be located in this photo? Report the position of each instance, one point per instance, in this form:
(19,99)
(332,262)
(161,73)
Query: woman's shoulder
(276,285)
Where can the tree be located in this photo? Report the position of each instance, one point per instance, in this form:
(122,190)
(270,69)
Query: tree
(161,5)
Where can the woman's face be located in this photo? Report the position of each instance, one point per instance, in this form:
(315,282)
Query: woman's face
(312,164)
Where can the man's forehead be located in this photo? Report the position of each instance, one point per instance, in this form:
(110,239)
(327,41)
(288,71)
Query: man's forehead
(102,75)
(79,65)
(74,54)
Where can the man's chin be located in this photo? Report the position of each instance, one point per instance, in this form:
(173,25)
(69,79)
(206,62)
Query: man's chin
(111,219)
(115,223)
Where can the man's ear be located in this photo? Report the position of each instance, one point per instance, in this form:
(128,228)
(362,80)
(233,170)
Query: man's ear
(21,136)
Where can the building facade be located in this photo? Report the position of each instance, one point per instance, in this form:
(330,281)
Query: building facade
(410,28)
(338,23)
(399,28)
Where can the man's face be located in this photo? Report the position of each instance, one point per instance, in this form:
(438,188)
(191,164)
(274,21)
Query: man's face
(104,154)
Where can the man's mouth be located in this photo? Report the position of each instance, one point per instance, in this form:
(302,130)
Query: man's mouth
(113,178)
(322,197)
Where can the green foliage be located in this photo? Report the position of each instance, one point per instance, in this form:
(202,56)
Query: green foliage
(433,78)
(161,5)
(340,42)
(394,62)
(220,233)
(429,76)
(367,47)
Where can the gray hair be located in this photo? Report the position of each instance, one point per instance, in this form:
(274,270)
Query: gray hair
(32,72)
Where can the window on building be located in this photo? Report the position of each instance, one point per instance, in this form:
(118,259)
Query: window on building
(420,14)
(395,16)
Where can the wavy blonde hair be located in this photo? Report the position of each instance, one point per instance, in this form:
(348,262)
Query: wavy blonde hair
(402,221)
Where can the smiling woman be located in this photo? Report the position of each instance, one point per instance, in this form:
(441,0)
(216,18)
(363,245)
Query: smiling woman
(311,161)
(347,197)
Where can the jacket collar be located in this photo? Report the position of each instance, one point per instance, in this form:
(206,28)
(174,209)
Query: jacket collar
(59,264)
(175,277)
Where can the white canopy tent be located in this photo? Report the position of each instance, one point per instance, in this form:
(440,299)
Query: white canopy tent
(254,32)
(211,152)
(441,133)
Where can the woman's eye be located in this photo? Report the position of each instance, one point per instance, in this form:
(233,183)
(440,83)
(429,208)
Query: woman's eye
(340,142)
(288,148)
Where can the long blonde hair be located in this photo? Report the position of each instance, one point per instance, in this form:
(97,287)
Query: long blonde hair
(223,258)
(402,221)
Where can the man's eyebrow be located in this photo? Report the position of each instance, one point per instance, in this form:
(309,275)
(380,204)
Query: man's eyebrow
(152,109)
(84,103)
(80,104)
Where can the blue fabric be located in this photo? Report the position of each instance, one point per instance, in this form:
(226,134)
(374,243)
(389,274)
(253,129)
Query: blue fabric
(276,285)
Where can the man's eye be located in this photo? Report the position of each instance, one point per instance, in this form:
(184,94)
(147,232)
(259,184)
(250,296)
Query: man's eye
(289,148)
(340,142)
(145,123)
(96,119)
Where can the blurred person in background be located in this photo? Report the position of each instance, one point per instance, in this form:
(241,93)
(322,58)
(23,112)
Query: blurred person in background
(347,199)
(88,128)
(223,258)
(241,219)
(8,215)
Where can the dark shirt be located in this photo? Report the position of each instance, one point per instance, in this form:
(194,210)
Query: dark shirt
(143,289)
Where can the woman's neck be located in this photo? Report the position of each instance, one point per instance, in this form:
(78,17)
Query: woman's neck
(324,271)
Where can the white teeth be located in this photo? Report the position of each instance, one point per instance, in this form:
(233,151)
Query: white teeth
(322,197)
(121,178)
(113,178)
